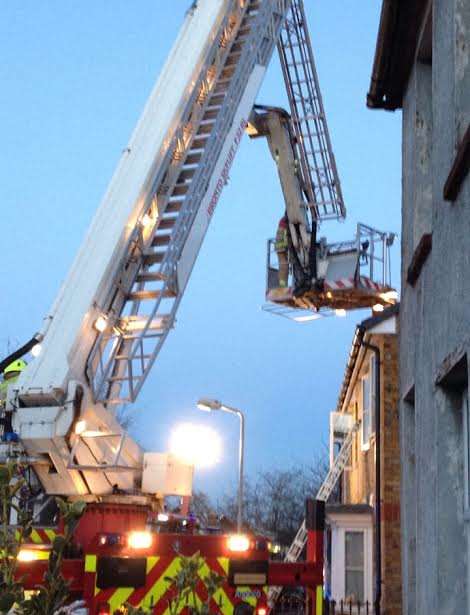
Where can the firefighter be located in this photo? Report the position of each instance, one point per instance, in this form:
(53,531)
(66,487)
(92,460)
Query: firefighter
(281,247)
(11,373)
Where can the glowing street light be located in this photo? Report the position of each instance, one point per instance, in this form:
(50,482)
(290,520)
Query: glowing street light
(208,405)
(195,445)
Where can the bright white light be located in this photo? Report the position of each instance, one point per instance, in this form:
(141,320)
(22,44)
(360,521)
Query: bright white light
(340,312)
(146,220)
(36,350)
(195,445)
(307,318)
(378,307)
(390,296)
(238,542)
(140,540)
(80,427)
(101,323)
(27,555)
(162,517)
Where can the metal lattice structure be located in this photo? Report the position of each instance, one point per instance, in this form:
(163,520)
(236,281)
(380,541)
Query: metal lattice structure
(148,291)
(319,172)
(326,489)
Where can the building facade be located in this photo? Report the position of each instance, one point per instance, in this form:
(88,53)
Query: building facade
(422,66)
(352,535)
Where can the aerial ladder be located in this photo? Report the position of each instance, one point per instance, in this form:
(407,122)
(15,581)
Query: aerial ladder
(337,468)
(113,313)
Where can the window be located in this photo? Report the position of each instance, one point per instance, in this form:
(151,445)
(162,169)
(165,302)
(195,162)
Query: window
(372,392)
(354,566)
(366,413)
(368,404)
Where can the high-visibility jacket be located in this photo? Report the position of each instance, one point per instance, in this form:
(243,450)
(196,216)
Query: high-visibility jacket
(281,243)
(4,387)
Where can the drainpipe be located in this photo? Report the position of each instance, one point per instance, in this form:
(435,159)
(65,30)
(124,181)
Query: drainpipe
(378,447)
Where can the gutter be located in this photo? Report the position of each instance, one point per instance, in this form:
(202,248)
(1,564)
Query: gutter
(378,482)
(380,69)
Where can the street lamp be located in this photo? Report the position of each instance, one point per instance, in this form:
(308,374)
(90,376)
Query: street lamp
(209,405)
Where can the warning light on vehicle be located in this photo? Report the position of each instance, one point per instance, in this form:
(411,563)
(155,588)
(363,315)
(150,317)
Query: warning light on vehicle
(27,555)
(261,610)
(163,518)
(140,540)
(238,542)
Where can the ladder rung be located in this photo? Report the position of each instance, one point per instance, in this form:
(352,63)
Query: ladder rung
(150,276)
(180,189)
(173,207)
(136,323)
(161,240)
(192,158)
(166,223)
(151,258)
(216,100)
(186,174)
(210,114)
(199,143)
(145,295)
(205,128)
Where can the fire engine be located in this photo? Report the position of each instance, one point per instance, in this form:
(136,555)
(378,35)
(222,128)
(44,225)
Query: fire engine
(115,309)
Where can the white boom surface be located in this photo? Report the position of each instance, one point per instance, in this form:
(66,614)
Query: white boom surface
(137,256)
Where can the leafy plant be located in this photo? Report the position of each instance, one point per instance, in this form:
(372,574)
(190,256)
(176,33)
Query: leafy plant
(184,584)
(183,588)
(11,541)
(53,595)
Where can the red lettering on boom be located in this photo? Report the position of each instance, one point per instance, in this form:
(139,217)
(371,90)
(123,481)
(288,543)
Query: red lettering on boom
(224,175)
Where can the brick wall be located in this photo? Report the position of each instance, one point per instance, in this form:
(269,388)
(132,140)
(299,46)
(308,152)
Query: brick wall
(359,481)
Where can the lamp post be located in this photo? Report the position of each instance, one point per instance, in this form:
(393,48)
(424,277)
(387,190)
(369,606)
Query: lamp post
(209,405)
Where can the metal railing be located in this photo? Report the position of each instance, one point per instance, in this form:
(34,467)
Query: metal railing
(373,256)
(348,607)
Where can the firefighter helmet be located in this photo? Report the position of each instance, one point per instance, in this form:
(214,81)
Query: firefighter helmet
(15,366)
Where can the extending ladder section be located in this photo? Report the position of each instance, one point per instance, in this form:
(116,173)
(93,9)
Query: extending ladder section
(318,164)
(326,489)
(142,308)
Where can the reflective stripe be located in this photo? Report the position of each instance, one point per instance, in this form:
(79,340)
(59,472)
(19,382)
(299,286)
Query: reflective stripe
(319,605)
(119,597)
(36,538)
(51,534)
(156,591)
(151,561)
(90,563)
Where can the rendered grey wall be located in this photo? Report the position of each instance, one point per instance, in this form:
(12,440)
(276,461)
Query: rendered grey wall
(434,321)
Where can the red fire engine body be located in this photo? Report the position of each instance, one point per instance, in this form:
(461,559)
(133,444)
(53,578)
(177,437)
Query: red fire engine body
(106,569)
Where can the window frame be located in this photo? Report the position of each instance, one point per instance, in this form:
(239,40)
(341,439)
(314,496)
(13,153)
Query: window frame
(366,427)
(362,569)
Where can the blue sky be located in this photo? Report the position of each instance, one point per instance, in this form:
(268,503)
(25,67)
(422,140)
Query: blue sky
(75,77)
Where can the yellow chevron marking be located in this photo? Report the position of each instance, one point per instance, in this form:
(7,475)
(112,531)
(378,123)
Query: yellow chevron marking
(90,563)
(119,597)
(220,597)
(51,534)
(161,586)
(151,561)
(223,562)
(35,538)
